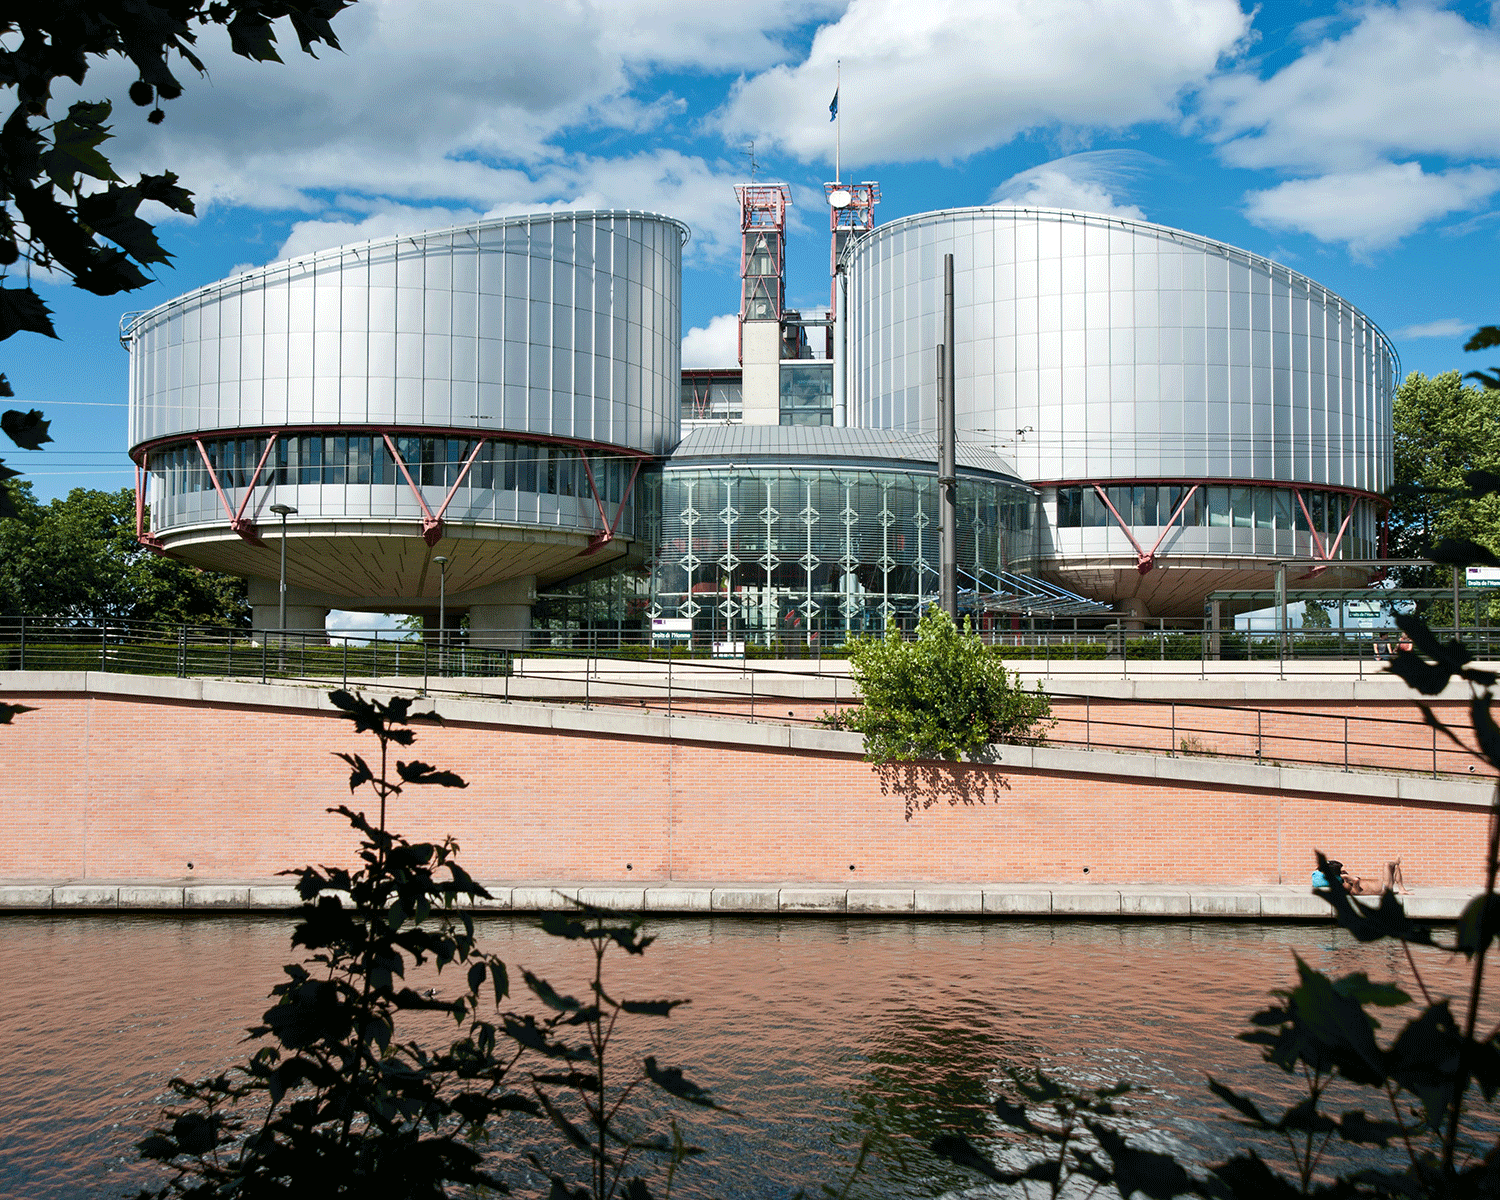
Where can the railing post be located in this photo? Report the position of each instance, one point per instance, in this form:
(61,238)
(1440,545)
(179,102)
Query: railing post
(23,643)
(103,645)
(265,646)
(1172,745)
(1258,741)
(1088,725)
(182,652)
(346,662)
(1346,742)
(669,679)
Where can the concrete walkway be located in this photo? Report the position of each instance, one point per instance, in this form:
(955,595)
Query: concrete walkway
(1143,902)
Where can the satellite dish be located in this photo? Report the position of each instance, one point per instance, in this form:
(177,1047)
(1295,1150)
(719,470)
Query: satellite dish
(840,198)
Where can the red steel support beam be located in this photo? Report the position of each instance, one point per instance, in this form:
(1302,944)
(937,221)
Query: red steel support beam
(607,534)
(1317,538)
(246,529)
(143,535)
(254,479)
(432,526)
(448,499)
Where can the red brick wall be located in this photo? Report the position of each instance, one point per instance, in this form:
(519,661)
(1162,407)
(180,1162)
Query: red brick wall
(99,787)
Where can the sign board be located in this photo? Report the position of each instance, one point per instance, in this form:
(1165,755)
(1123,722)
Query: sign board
(1482,577)
(729,649)
(671,629)
(1363,612)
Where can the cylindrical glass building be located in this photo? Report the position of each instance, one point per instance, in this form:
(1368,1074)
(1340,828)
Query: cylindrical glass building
(488,394)
(790,534)
(1180,403)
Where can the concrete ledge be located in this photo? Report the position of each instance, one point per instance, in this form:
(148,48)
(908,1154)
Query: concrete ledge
(1131,902)
(1017,902)
(813,900)
(679,899)
(149,896)
(83,895)
(948,901)
(880,900)
(746,900)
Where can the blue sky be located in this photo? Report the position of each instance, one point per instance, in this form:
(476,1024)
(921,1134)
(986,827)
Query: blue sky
(1357,143)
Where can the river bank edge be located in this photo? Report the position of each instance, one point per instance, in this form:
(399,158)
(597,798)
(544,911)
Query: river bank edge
(1145,902)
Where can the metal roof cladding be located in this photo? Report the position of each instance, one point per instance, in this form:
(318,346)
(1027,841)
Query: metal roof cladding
(824,445)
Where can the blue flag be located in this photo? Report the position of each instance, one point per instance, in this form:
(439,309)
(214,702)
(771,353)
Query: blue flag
(833,107)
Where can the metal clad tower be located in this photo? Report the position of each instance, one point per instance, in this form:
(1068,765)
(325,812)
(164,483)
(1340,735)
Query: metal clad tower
(489,393)
(1191,412)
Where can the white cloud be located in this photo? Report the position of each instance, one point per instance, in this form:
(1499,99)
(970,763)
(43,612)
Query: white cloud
(459,105)
(716,344)
(947,78)
(307,237)
(1447,327)
(1371,208)
(1404,80)
(1084,182)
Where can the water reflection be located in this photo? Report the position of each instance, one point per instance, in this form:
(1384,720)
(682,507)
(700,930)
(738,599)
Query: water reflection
(818,1031)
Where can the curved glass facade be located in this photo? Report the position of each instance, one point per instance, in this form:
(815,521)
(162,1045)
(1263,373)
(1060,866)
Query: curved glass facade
(1248,520)
(819,551)
(327,475)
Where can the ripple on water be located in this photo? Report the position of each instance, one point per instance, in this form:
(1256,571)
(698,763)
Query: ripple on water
(817,1031)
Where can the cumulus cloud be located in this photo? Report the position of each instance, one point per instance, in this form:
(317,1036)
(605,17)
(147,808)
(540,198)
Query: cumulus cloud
(1445,327)
(1371,208)
(306,237)
(456,105)
(716,344)
(1085,182)
(1403,80)
(948,78)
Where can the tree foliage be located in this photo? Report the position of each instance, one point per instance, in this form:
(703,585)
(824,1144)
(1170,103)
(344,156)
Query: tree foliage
(1447,445)
(943,696)
(340,1099)
(77,560)
(63,207)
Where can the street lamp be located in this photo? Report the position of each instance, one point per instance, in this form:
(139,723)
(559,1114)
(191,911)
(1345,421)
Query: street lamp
(442,563)
(283,511)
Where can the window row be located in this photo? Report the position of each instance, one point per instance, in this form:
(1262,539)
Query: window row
(1229,507)
(434,462)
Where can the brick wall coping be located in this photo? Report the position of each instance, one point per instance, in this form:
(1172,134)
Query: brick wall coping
(1358,785)
(1013,901)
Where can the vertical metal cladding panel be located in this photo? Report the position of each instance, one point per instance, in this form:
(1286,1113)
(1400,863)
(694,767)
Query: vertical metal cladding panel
(562,325)
(1122,349)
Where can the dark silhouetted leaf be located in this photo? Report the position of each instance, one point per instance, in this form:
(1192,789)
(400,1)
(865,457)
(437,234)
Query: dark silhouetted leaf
(361,772)
(7,711)
(1242,1104)
(1356,1127)
(420,772)
(958,1150)
(1483,338)
(22,311)
(549,996)
(1157,1175)
(671,1079)
(1478,924)
(651,1008)
(1461,552)
(28,430)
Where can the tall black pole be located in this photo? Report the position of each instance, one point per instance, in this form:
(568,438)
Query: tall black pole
(947,464)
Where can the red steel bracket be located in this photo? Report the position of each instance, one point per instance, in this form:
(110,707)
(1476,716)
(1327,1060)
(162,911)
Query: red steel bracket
(246,529)
(607,534)
(143,535)
(432,525)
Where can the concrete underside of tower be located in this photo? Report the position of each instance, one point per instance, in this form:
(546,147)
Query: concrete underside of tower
(388,567)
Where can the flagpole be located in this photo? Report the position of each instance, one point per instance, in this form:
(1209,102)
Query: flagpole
(838,119)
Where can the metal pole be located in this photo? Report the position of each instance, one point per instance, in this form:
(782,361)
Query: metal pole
(948,470)
(1455,604)
(1281,630)
(442,563)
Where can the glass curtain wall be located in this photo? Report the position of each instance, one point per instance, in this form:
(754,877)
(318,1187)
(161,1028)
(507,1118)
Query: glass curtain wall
(813,555)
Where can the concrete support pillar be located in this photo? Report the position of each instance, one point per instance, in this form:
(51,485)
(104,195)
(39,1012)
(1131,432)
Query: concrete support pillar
(1133,613)
(304,623)
(760,361)
(504,620)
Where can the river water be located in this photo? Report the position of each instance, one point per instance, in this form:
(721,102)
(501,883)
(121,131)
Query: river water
(817,1031)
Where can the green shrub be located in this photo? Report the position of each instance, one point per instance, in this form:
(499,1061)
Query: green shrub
(944,695)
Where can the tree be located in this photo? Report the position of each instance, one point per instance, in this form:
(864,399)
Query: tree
(77,560)
(1445,432)
(1485,337)
(943,696)
(63,208)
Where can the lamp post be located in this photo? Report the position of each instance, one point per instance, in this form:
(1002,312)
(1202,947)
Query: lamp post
(442,563)
(283,511)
